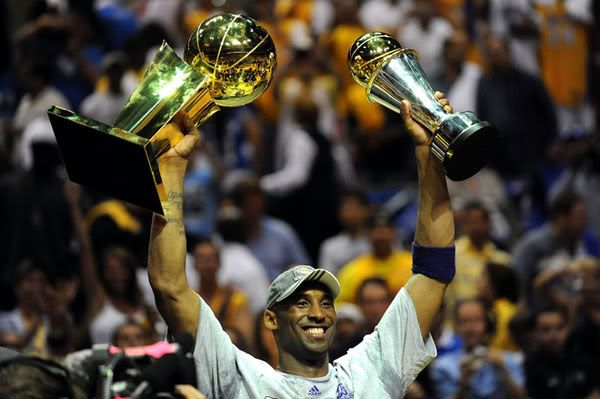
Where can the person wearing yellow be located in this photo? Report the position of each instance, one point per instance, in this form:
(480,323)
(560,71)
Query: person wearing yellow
(229,304)
(473,250)
(499,287)
(563,53)
(384,261)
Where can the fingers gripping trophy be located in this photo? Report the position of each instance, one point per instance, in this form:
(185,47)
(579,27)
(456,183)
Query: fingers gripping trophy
(390,74)
(228,62)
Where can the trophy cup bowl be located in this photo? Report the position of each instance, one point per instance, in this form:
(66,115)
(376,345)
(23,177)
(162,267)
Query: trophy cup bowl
(390,74)
(229,61)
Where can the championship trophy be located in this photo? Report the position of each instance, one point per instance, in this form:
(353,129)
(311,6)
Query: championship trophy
(229,62)
(391,74)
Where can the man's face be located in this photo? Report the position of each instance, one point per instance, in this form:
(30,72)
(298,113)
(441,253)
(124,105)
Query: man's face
(552,331)
(374,301)
(476,225)
(206,258)
(130,335)
(353,213)
(471,323)
(30,289)
(252,207)
(382,238)
(306,322)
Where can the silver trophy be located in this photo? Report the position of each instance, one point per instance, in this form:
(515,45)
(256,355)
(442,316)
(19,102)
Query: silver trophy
(390,74)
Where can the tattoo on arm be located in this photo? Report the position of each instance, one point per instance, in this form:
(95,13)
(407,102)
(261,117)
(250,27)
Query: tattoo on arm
(175,201)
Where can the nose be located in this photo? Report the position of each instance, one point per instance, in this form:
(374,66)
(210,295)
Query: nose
(315,312)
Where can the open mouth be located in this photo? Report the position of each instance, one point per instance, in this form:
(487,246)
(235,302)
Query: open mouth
(315,332)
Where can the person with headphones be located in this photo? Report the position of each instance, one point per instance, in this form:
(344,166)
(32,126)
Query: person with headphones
(26,377)
(477,371)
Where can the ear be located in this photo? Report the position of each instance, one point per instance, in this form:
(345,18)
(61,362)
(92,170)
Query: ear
(270,320)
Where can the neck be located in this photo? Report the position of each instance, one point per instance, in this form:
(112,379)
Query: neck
(382,253)
(254,228)
(478,244)
(208,285)
(303,368)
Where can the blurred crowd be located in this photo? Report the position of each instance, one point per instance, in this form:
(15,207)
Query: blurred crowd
(313,173)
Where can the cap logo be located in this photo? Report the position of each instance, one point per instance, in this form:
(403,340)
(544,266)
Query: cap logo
(301,271)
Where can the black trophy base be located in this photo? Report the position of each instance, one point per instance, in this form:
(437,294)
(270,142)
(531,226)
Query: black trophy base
(111,161)
(471,145)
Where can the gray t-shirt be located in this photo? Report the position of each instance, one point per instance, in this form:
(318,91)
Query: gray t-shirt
(382,366)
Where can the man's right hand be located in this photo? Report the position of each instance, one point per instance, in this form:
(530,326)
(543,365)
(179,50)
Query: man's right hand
(185,147)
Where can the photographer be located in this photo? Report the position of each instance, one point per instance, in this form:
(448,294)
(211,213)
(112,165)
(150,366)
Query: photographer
(476,371)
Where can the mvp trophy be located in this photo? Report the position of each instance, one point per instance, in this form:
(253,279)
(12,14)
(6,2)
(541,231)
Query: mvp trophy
(391,74)
(229,62)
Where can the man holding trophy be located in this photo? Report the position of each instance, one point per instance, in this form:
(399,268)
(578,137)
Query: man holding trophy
(300,309)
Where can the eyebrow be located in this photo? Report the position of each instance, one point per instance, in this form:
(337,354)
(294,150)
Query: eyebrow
(303,295)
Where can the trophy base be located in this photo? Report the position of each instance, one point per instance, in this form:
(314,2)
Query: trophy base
(110,160)
(470,147)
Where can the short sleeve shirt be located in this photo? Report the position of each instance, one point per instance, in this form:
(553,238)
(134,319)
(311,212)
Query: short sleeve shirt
(382,366)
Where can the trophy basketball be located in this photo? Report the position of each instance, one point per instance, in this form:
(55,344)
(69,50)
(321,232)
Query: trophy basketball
(229,62)
(391,74)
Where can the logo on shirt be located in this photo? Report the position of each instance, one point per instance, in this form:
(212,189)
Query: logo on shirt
(343,392)
(314,391)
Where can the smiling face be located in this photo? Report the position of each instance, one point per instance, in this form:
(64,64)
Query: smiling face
(304,323)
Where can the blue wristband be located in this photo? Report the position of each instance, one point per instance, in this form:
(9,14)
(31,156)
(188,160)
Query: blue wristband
(438,263)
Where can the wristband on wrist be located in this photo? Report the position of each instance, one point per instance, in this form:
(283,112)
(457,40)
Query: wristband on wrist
(438,263)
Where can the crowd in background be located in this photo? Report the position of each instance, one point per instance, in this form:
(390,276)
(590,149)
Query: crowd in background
(313,173)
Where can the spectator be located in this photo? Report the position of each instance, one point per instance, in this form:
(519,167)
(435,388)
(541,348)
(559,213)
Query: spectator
(340,249)
(230,305)
(374,297)
(518,21)
(499,288)
(526,135)
(426,32)
(477,371)
(25,327)
(130,334)
(304,174)
(560,240)
(35,216)
(105,106)
(583,308)
(458,77)
(473,250)
(272,241)
(33,377)
(563,54)
(34,76)
(383,261)
(581,153)
(349,329)
(239,267)
(552,370)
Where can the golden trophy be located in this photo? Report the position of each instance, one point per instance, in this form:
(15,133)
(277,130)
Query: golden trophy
(391,74)
(229,62)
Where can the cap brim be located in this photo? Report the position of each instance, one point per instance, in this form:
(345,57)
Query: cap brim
(319,275)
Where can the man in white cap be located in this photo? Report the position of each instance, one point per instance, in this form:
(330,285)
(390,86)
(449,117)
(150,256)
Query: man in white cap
(300,305)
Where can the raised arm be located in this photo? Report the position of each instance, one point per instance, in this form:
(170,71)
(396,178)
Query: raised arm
(435,220)
(176,301)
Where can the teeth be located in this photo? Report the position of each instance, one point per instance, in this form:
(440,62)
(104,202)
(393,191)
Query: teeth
(316,331)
